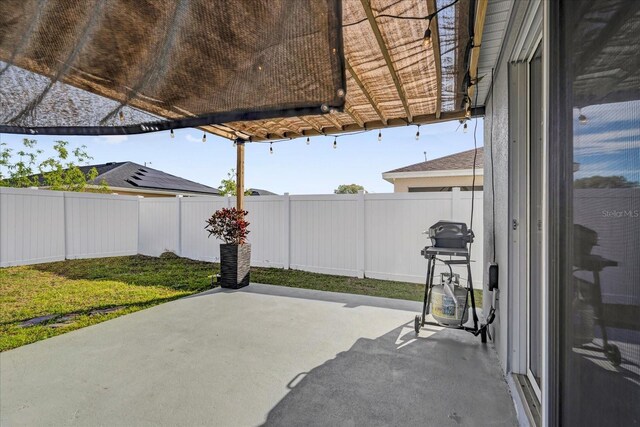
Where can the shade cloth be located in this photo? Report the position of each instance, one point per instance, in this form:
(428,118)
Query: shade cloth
(125,66)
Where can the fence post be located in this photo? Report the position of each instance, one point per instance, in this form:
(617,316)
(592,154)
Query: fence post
(139,201)
(65,222)
(455,203)
(360,238)
(179,227)
(286,227)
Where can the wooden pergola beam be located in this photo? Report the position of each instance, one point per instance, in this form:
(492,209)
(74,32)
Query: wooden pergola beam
(318,129)
(243,132)
(364,91)
(215,130)
(280,135)
(445,116)
(226,131)
(385,53)
(481,14)
(290,132)
(435,44)
(353,114)
(333,120)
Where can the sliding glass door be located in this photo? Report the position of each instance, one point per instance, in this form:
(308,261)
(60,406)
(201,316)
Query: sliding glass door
(595,210)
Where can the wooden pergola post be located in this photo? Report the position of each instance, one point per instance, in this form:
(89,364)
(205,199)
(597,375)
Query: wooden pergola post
(240,175)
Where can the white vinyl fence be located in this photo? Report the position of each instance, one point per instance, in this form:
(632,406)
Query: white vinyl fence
(39,226)
(372,235)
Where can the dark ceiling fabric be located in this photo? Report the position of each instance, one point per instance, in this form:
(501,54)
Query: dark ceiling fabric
(605,43)
(125,66)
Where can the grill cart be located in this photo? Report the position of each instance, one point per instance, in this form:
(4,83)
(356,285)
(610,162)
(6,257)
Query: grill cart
(448,302)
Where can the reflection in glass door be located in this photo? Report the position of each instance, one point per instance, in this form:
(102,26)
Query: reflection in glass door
(599,284)
(534,208)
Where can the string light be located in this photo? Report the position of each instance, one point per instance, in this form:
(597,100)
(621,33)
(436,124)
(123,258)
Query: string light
(335,139)
(464,127)
(380,136)
(121,115)
(426,40)
(234,143)
(172,134)
(582,118)
(418,133)
(204,137)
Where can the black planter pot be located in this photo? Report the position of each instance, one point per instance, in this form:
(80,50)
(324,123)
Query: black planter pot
(235,261)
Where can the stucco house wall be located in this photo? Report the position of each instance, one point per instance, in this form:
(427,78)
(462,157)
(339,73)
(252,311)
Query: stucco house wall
(402,185)
(496,169)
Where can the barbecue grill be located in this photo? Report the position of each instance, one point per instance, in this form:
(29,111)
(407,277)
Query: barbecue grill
(449,247)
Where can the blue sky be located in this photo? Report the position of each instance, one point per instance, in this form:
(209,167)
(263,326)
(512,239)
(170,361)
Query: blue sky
(609,142)
(294,167)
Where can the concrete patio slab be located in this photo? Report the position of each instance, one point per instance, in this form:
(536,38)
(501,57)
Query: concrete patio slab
(262,355)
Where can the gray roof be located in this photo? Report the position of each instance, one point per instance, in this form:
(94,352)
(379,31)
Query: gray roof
(261,192)
(463,160)
(134,176)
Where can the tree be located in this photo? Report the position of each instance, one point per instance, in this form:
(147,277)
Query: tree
(349,189)
(227,186)
(598,181)
(59,172)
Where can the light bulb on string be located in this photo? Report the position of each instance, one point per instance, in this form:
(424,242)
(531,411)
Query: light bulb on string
(426,40)
(335,142)
(464,127)
(582,118)
(271,148)
(418,133)
(204,137)
(121,115)
(235,143)
(172,134)
(380,136)
(308,140)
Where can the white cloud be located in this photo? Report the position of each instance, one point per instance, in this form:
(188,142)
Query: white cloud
(586,148)
(112,139)
(192,138)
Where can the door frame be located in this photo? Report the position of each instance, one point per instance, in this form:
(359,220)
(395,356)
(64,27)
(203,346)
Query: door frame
(529,39)
(528,205)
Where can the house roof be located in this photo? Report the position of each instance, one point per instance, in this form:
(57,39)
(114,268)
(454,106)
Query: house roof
(261,192)
(457,161)
(131,175)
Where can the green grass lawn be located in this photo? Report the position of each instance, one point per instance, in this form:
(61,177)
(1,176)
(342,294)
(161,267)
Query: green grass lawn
(78,293)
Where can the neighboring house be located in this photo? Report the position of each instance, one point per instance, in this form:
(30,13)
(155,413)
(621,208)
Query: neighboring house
(440,174)
(132,179)
(260,192)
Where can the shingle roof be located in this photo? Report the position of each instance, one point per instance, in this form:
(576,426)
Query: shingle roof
(463,160)
(135,176)
(261,192)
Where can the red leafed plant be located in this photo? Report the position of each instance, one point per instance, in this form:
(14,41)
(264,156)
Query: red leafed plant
(228,225)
